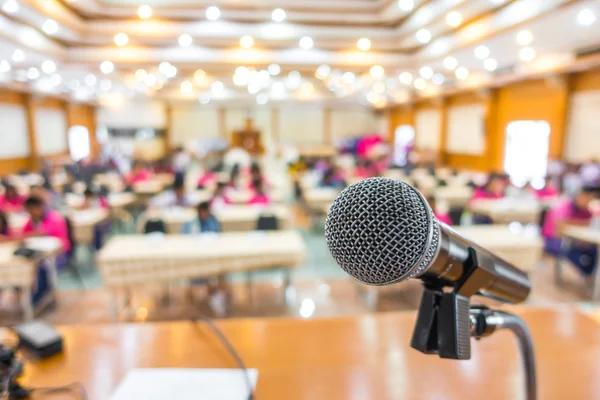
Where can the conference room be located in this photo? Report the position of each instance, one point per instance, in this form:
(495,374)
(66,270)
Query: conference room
(230,199)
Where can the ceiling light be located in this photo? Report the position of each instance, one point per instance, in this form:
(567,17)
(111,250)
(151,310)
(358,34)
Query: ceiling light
(278,89)
(481,52)
(4,67)
(171,71)
(274,69)
(33,73)
(426,72)
(323,71)
(363,44)
(90,79)
(406,5)
(241,71)
(306,43)
(10,6)
(213,13)
(527,54)
(49,67)
(420,84)
(461,73)
(586,17)
(262,98)
(50,27)
(105,84)
(278,15)
(379,87)
(185,40)
(145,11)
(18,56)
(121,39)
(377,71)
(204,99)
(140,74)
(373,97)
(294,79)
(423,36)
(186,87)
(349,78)
(150,80)
(438,79)
(199,76)
(263,77)
(524,37)
(217,87)
(490,64)
(405,78)
(253,88)
(454,19)
(450,63)
(107,67)
(246,41)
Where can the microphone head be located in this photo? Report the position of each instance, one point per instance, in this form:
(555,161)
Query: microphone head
(382,231)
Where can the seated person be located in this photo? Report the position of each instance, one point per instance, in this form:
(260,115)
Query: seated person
(175,197)
(137,174)
(93,200)
(255,174)
(364,169)
(573,211)
(50,197)
(493,190)
(332,179)
(549,191)
(44,221)
(206,222)
(208,178)
(259,197)
(6,233)
(11,201)
(440,211)
(219,198)
(234,176)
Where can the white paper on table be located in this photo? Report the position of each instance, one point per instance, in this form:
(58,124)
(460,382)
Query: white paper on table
(185,384)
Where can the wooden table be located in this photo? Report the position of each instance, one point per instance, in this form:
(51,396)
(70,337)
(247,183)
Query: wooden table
(522,246)
(240,197)
(117,200)
(453,196)
(508,210)
(580,234)
(318,198)
(233,218)
(365,357)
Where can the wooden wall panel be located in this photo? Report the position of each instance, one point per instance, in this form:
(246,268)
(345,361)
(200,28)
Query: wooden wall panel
(84,115)
(586,80)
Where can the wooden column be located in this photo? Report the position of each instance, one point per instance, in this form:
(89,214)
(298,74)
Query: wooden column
(31,131)
(222,118)
(327,126)
(443,109)
(168,128)
(275,126)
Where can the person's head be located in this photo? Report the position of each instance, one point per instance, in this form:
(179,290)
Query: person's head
(10,192)
(89,194)
(137,165)
(585,196)
(179,190)
(496,184)
(3,223)
(255,169)
(35,206)
(328,175)
(258,186)
(220,188)
(203,210)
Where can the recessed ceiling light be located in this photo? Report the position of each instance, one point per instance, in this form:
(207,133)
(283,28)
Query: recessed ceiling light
(150,80)
(253,87)
(420,84)
(405,77)
(349,77)
(426,72)
(450,63)
(406,5)
(185,40)
(199,76)
(145,11)
(461,73)
(306,43)
(527,54)
(33,73)
(49,67)
(217,88)
(454,19)
(490,64)
(246,41)
(377,71)
(323,71)
(363,44)
(423,36)
(10,6)
(274,69)
(481,52)
(213,13)
(294,79)
(437,79)
(186,87)
(50,27)
(278,15)
(121,39)
(107,67)
(586,17)
(4,67)
(90,79)
(262,98)
(524,37)
(18,56)
(140,74)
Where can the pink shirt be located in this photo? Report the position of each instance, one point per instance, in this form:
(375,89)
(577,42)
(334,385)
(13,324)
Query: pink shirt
(260,199)
(207,179)
(443,217)
(13,204)
(547,192)
(140,176)
(484,194)
(562,212)
(53,224)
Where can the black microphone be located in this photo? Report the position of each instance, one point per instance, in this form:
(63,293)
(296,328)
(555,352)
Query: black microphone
(382,231)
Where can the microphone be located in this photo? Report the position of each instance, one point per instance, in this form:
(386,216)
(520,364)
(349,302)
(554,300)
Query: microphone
(382,231)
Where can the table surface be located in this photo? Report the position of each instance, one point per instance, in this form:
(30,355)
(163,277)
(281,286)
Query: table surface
(226,214)
(208,246)
(583,233)
(364,357)
(496,236)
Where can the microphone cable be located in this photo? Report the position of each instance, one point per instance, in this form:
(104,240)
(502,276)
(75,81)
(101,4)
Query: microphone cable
(234,354)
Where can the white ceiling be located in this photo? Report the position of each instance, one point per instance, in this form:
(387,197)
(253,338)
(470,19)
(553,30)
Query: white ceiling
(86,30)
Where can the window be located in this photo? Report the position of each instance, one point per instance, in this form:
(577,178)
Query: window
(403,143)
(79,142)
(526,151)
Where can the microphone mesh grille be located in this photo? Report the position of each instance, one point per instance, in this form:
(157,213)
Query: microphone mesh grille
(381,231)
